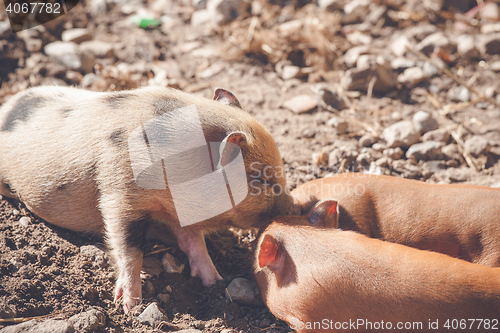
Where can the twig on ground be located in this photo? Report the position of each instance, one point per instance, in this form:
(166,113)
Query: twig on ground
(434,101)
(369,92)
(24,319)
(451,75)
(457,137)
(448,107)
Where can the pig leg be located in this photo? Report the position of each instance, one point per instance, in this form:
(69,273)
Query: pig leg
(124,238)
(193,244)
(128,284)
(5,189)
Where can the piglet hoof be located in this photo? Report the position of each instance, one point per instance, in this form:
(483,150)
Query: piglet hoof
(208,281)
(128,301)
(208,274)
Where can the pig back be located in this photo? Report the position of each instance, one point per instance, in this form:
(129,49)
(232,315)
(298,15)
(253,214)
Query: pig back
(74,145)
(341,276)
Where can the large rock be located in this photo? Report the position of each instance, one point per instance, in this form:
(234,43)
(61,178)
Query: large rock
(320,158)
(76,35)
(402,63)
(341,125)
(458,174)
(477,146)
(224,11)
(359,79)
(440,135)
(98,49)
(394,153)
(375,14)
(152,266)
(459,94)
(401,134)
(89,79)
(451,152)
(436,40)
(412,76)
(431,167)
(407,169)
(170,264)
(201,17)
(420,32)
(398,46)
(290,72)
(199,4)
(7,310)
(69,55)
(355,11)
(489,44)
(97,256)
(88,321)
(152,315)
(461,5)
(466,46)
(331,98)
(331,5)
(301,104)
(5,28)
(429,150)
(424,122)
(243,291)
(367,140)
(489,11)
(351,56)
(20,328)
(47,326)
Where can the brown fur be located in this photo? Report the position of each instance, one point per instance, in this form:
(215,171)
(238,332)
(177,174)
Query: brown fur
(459,220)
(67,160)
(343,275)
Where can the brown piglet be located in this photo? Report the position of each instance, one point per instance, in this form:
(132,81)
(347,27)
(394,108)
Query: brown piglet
(112,162)
(462,221)
(330,280)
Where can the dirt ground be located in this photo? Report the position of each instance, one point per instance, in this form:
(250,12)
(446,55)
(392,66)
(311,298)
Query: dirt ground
(54,273)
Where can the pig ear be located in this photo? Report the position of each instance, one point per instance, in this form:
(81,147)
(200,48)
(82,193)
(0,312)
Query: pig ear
(268,252)
(231,147)
(325,214)
(226,97)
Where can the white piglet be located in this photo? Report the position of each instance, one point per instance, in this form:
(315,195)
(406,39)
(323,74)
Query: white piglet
(88,162)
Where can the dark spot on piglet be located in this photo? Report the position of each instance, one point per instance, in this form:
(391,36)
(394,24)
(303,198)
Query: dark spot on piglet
(118,137)
(116,100)
(134,233)
(65,112)
(165,104)
(7,187)
(22,110)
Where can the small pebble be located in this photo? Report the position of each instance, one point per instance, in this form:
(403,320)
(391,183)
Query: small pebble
(339,124)
(25,221)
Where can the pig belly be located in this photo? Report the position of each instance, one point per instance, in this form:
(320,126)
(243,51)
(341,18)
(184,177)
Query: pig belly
(59,206)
